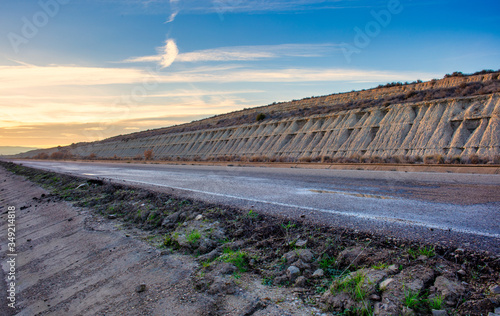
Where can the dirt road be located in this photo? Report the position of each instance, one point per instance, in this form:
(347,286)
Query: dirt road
(71,262)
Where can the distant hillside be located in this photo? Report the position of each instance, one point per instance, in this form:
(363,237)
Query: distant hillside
(12,150)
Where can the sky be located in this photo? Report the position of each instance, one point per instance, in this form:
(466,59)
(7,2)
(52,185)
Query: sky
(83,70)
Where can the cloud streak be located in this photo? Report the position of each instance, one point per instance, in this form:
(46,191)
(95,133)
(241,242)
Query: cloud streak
(240,53)
(25,77)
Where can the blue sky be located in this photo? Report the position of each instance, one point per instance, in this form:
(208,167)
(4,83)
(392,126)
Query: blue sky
(81,70)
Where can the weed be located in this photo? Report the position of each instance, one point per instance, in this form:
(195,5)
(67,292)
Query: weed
(193,237)
(380,266)
(238,258)
(328,263)
(171,241)
(436,302)
(353,285)
(206,264)
(287,227)
(413,253)
(427,251)
(236,275)
(267,281)
(412,299)
(251,214)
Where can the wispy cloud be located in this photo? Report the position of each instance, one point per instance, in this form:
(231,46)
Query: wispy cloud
(174,6)
(15,77)
(167,54)
(239,53)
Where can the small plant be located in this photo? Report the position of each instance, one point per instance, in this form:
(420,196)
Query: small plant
(260,117)
(193,237)
(171,241)
(412,299)
(267,281)
(252,214)
(412,252)
(238,258)
(148,154)
(436,302)
(353,285)
(427,251)
(380,266)
(236,275)
(287,227)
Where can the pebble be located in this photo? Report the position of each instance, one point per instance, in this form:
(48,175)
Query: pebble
(393,268)
(461,272)
(300,282)
(385,283)
(301,242)
(140,288)
(318,273)
(198,217)
(375,297)
(495,289)
(293,272)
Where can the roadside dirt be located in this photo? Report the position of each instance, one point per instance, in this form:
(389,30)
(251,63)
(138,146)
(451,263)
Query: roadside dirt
(87,247)
(441,168)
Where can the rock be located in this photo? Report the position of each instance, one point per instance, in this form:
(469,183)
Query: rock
(393,268)
(300,282)
(305,255)
(112,216)
(281,279)
(226,268)
(290,257)
(412,278)
(301,265)
(336,302)
(212,255)
(497,310)
(301,242)
(422,258)
(253,307)
(461,272)
(386,309)
(198,217)
(140,288)
(222,285)
(459,250)
(206,245)
(383,285)
(439,312)
(408,311)
(292,272)
(173,218)
(450,290)
(495,289)
(374,297)
(318,273)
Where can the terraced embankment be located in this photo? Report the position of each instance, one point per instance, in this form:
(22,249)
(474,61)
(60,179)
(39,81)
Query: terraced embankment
(383,123)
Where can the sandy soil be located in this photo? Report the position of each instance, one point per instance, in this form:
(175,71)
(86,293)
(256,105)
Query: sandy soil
(72,262)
